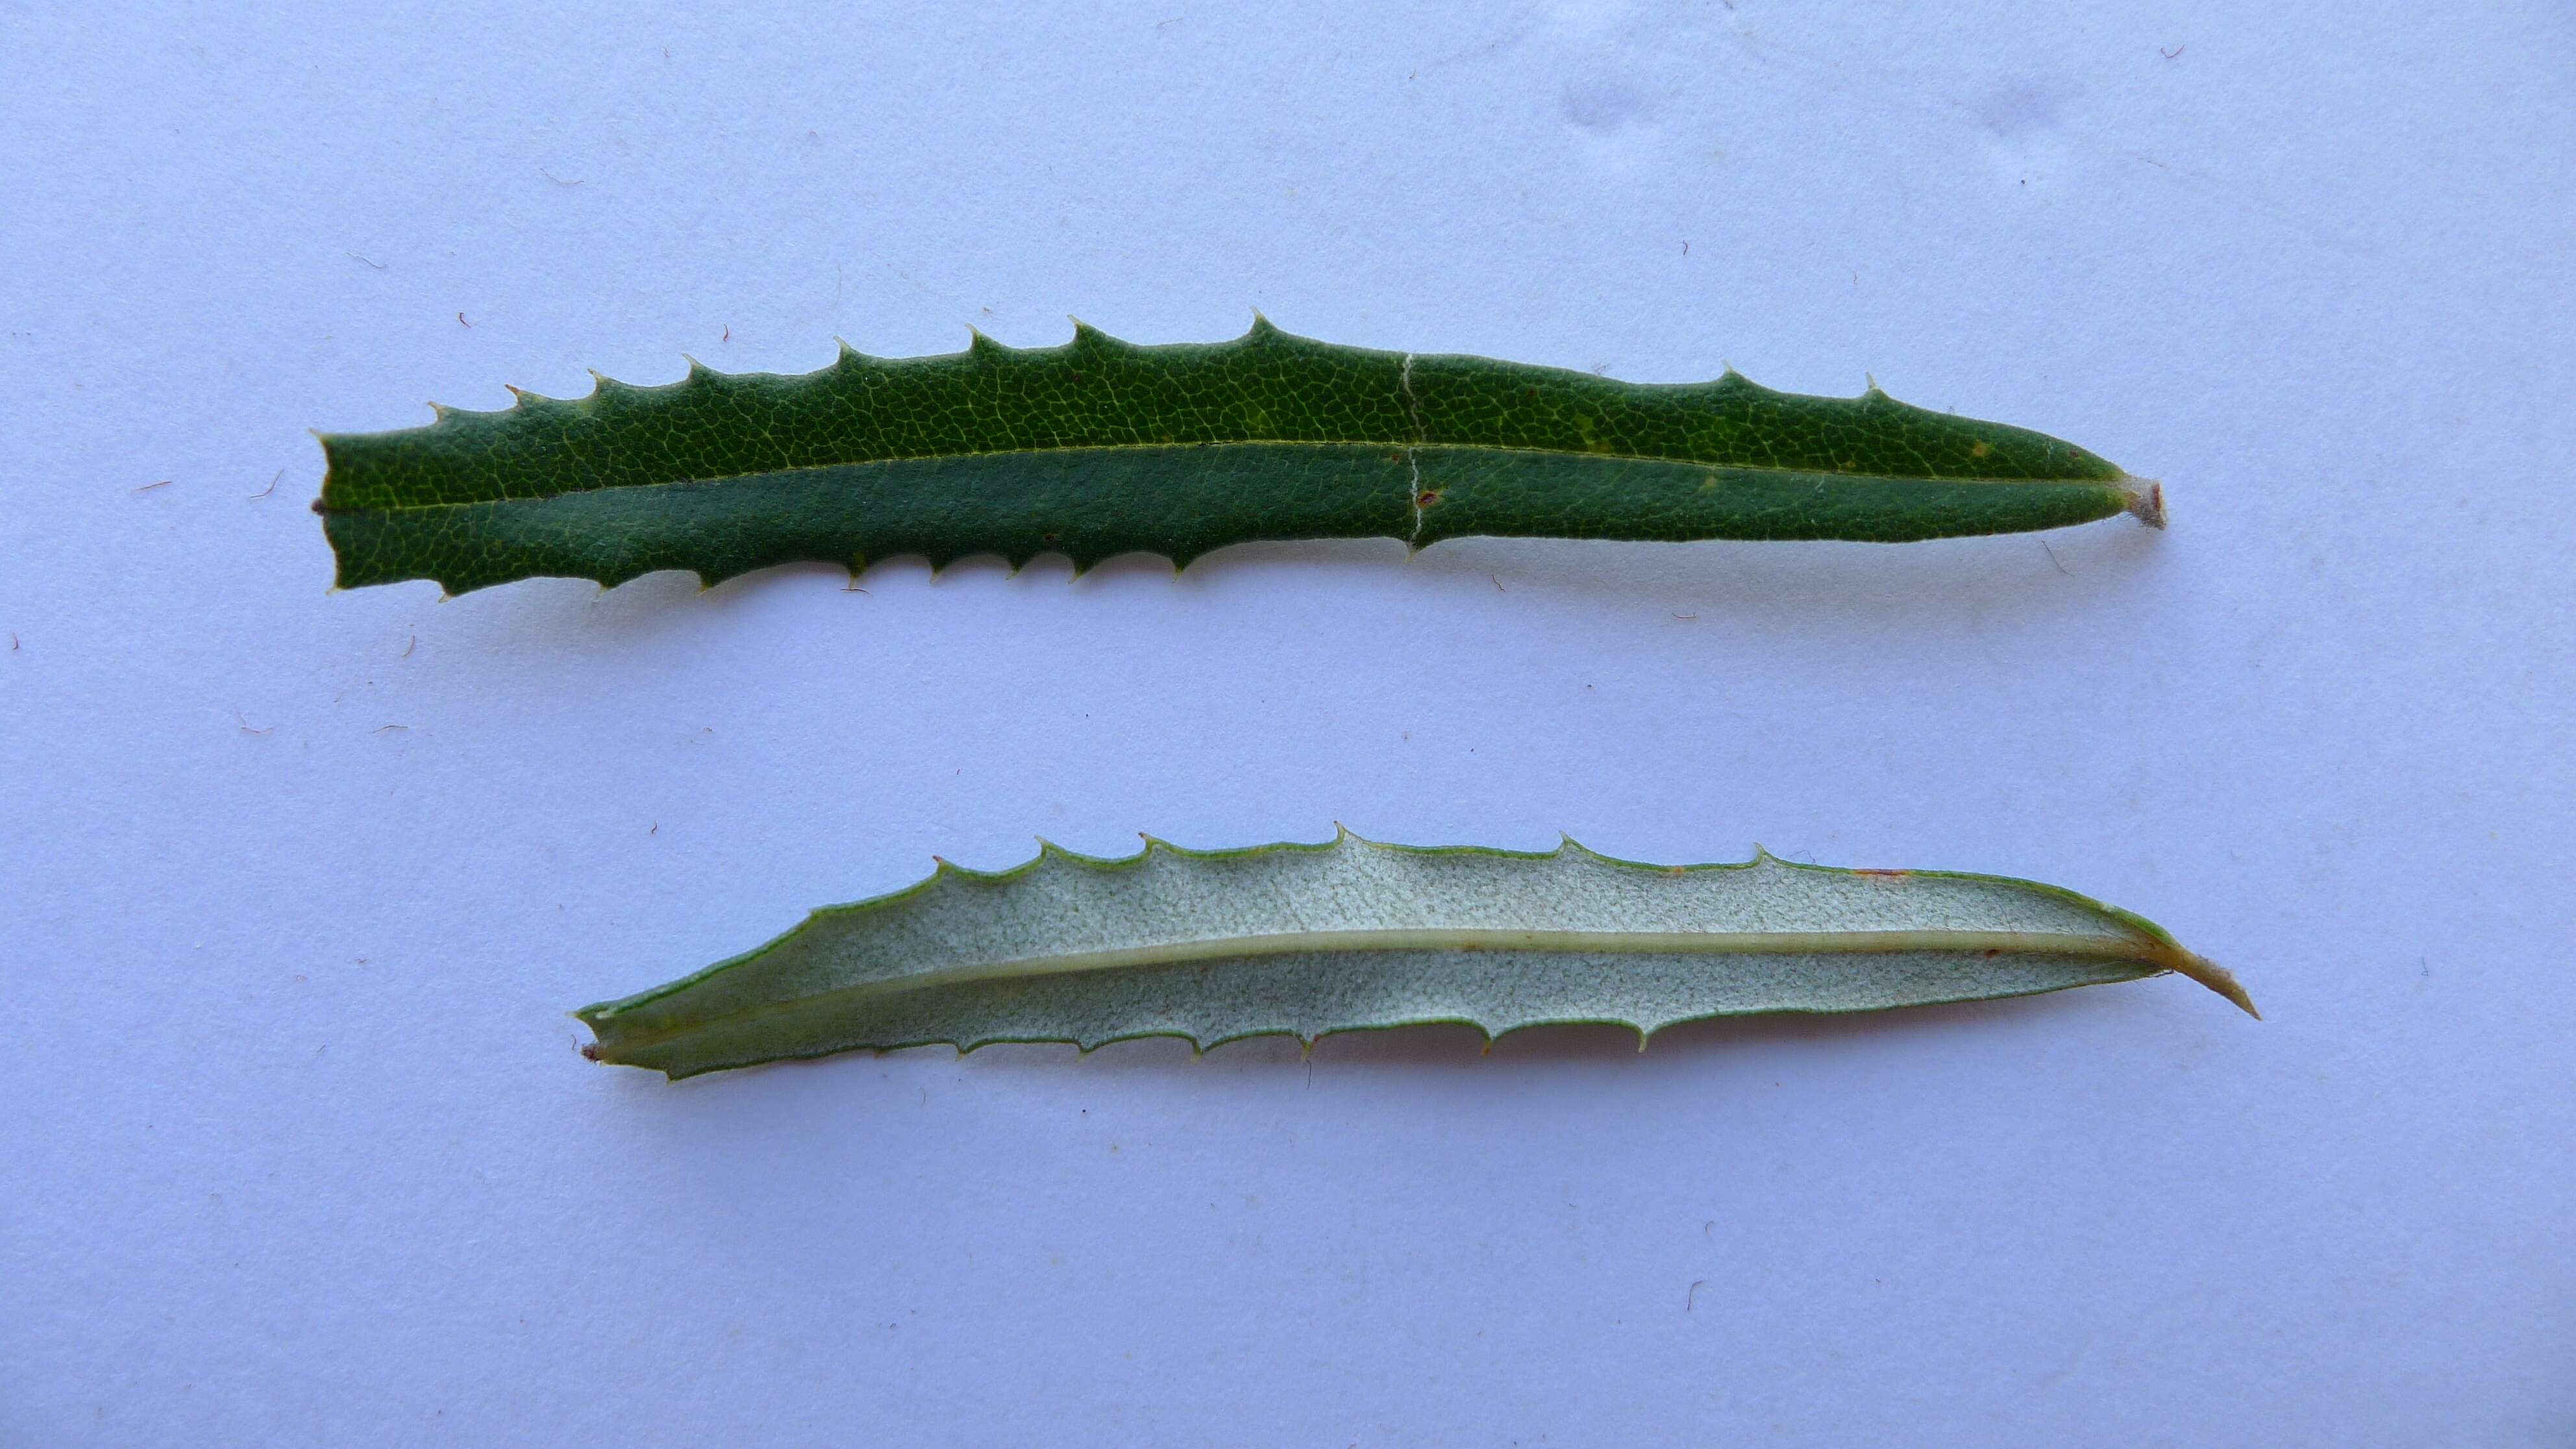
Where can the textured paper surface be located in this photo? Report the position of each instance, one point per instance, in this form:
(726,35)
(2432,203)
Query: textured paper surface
(295,888)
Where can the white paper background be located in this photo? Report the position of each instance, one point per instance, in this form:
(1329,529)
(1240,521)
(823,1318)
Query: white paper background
(296,887)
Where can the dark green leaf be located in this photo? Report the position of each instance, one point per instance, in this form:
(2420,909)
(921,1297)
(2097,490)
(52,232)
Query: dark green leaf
(1099,448)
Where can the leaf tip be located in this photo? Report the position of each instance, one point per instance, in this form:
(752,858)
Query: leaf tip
(2214,976)
(2146,500)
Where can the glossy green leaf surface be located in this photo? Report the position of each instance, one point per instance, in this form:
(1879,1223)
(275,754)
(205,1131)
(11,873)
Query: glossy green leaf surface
(1303,940)
(1100,447)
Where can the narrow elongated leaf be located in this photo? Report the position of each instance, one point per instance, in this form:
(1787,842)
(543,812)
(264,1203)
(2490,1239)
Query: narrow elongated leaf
(1302,940)
(1100,447)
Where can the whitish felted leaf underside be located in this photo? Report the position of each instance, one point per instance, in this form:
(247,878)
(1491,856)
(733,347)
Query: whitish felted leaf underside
(1305,940)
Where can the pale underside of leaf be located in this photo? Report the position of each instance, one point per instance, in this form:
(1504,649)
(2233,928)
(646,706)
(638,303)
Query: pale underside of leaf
(1352,935)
